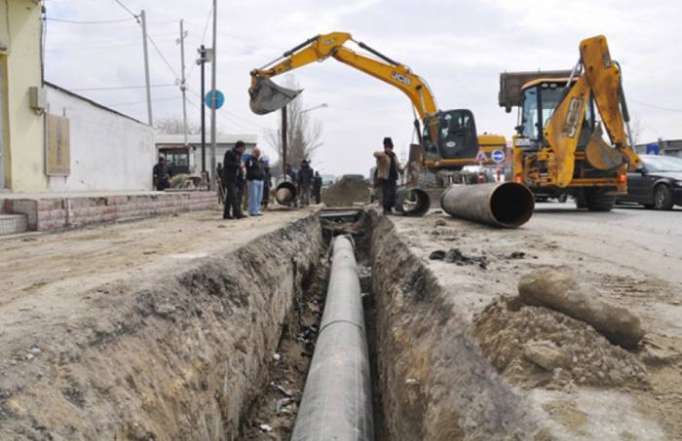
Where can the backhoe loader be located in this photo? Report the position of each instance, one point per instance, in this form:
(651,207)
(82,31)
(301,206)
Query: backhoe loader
(447,139)
(558,148)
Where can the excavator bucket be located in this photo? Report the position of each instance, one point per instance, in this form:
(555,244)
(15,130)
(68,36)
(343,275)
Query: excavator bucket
(601,155)
(266,96)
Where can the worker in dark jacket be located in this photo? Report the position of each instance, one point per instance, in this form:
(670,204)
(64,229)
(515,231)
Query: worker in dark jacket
(305,182)
(267,181)
(388,172)
(255,174)
(161,175)
(317,188)
(232,174)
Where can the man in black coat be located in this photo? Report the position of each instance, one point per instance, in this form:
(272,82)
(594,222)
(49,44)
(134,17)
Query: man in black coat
(161,175)
(232,178)
(305,182)
(317,188)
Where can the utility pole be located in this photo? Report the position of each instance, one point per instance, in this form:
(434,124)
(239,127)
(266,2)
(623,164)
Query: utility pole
(202,62)
(143,21)
(183,85)
(213,92)
(284,141)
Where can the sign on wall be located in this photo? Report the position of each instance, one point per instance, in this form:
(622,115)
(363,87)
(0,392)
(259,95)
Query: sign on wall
(58,153)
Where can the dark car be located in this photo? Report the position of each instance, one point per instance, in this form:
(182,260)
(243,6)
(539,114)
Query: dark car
(657,183)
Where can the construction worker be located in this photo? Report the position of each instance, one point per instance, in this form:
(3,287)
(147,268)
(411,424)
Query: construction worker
(317,188)
(254,176)
(267,182)
(232,177)
(161,175)
(305,182)
(387,172)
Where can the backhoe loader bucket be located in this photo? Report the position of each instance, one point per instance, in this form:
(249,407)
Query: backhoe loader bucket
(600,155)
(266,96)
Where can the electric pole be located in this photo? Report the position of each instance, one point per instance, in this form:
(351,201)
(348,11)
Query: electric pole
(284,141)
(143,21)
(214,92)
(183,85)
(202,62)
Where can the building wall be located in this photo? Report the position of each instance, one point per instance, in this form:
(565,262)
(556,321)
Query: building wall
(20,33)
(109,151)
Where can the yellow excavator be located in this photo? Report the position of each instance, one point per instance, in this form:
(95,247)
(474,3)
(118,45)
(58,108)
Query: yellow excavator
(559,148)
(447,139)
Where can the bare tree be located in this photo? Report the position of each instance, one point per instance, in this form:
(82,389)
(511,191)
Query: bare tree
(173,125)
(304,135)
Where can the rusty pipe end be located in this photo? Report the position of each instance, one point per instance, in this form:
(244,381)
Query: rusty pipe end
(412,201)
(285,193)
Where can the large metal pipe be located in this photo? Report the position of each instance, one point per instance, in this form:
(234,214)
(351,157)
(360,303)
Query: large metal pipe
(506,205)
(285,193)
(412,201)
(337,399)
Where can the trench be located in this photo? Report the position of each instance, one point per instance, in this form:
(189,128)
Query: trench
(219,350)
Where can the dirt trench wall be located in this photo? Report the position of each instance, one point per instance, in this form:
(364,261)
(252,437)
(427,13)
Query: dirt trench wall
(174,356)
(435,382)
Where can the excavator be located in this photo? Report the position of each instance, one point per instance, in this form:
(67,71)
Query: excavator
(558,148)
(447,138)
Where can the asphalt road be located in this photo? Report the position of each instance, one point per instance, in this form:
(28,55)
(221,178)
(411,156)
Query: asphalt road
(646,240)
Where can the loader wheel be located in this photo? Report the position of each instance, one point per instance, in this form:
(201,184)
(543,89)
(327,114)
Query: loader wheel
(663,197)
(597,199)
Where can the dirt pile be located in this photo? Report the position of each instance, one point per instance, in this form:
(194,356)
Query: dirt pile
(534,346)
(559,290)
(345,192)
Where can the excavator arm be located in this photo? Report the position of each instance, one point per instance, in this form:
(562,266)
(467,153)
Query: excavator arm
(267,96)
(601,79)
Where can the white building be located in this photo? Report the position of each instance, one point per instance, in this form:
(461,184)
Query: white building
(187,158)
(106,150)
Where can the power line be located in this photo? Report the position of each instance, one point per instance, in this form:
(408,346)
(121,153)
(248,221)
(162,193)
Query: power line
(88,89)
(165,60)
(127,9)
(653,106)
(203,40)
(87,22)
(130,103)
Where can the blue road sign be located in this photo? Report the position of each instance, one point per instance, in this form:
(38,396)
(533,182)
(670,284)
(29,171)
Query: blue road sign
(498,156)
(214,98)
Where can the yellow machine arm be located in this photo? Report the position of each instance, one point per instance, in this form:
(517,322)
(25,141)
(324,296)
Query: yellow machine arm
(601,78)
(321,47)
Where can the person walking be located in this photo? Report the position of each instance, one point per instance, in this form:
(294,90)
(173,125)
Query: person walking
(387,172)
(254,176)
(317,188)
(232,173)
(305,182)
(161,175)
(267,182)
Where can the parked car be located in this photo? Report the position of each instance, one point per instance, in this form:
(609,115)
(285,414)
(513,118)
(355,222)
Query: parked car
(657,183)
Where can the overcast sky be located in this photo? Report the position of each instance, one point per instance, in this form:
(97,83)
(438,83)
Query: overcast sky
(458,47)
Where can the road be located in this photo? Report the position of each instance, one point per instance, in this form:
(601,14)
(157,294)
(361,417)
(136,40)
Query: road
(644,240)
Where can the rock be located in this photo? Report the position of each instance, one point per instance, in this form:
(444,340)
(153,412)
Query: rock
(559,291)
(164,309)
(437,255)
(545,354)
(440,223)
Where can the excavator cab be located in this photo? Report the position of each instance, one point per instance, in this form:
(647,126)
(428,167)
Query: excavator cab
(450,135)
(538,101)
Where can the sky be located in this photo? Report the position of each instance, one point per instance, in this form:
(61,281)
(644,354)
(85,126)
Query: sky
(459,47)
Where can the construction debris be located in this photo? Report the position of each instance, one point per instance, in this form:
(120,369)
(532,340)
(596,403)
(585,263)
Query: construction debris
(559,291)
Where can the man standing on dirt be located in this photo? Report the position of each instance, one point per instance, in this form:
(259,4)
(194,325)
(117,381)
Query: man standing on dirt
(267,182)
(232,175)
(317,187)
(161,175)
(305,182)
(254,176)
(387,173)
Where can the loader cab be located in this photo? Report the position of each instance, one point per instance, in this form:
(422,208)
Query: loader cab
(539,99)
(450,135)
